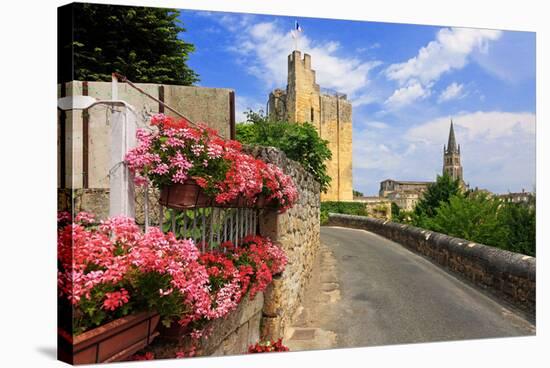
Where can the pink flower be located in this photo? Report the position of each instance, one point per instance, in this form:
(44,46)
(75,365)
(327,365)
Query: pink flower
(186,354)
(115,299)
(85,218)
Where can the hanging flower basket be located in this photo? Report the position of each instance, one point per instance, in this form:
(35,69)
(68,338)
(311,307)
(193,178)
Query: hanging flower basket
(184,196)
(112,342)
(194,167)
(238,202)
(262,202)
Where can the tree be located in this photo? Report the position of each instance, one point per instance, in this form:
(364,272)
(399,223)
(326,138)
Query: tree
(395,211)
(475,217)
(519,221)
(139,42)
(438,193)
(357,193)
(300,142)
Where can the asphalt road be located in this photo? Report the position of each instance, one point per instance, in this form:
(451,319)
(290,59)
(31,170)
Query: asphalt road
(389,295)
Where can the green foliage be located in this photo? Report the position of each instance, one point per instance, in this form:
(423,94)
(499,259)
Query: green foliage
(300,142)
(399,215)
(91,313)
(347,208)
(439,192)
(480,218)
(520,223)
(395,211)
(181,223)
(169,306)
(142,43)
(357,193)
(323,217)
(474,218)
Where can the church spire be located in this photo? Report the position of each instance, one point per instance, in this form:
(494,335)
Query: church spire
(451,146)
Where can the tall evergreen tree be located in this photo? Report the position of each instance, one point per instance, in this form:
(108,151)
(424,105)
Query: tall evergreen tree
(142,43)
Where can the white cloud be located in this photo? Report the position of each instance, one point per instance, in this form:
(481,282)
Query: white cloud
(375,45)
(476,126)
(454,91)
(406,95)
(498,151)
(377,124)
(498,148)
(449,51)
(264,48)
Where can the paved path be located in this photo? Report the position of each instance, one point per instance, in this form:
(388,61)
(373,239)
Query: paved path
(367,290)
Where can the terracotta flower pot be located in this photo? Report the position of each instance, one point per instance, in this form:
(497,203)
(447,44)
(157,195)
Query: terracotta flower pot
(263,202)
(183,196)
(112,342)
(237,202)
(175,332)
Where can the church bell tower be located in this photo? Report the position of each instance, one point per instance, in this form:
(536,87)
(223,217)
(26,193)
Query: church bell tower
(451,158)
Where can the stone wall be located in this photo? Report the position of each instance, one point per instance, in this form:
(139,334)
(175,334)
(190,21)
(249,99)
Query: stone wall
(231,335)
(298,233)
(507,275)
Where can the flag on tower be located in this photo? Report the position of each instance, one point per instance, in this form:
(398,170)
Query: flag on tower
(297,30)
(296,34)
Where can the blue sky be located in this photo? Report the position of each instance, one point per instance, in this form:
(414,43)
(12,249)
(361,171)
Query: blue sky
(405,83)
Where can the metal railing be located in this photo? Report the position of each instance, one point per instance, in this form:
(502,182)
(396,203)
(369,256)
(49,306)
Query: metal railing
(208,227)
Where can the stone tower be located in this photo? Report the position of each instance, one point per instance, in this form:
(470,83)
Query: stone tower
(451,158)
(303,101)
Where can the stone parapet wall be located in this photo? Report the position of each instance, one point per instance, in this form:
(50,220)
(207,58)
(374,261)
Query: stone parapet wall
(298,233)
(509,276)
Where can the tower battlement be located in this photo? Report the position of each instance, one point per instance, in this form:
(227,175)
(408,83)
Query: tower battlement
(297,56)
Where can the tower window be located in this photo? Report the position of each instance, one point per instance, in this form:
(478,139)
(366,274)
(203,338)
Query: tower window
(311,115)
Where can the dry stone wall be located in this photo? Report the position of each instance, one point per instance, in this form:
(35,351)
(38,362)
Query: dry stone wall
(507,275)
(298,232)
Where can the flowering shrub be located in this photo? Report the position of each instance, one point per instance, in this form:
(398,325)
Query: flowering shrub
(257,260)
(177,152)
(267,347)
(109,269)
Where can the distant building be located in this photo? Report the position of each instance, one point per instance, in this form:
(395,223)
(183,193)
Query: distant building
(519,197)
(405,194)
(451,158)
(376,207)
